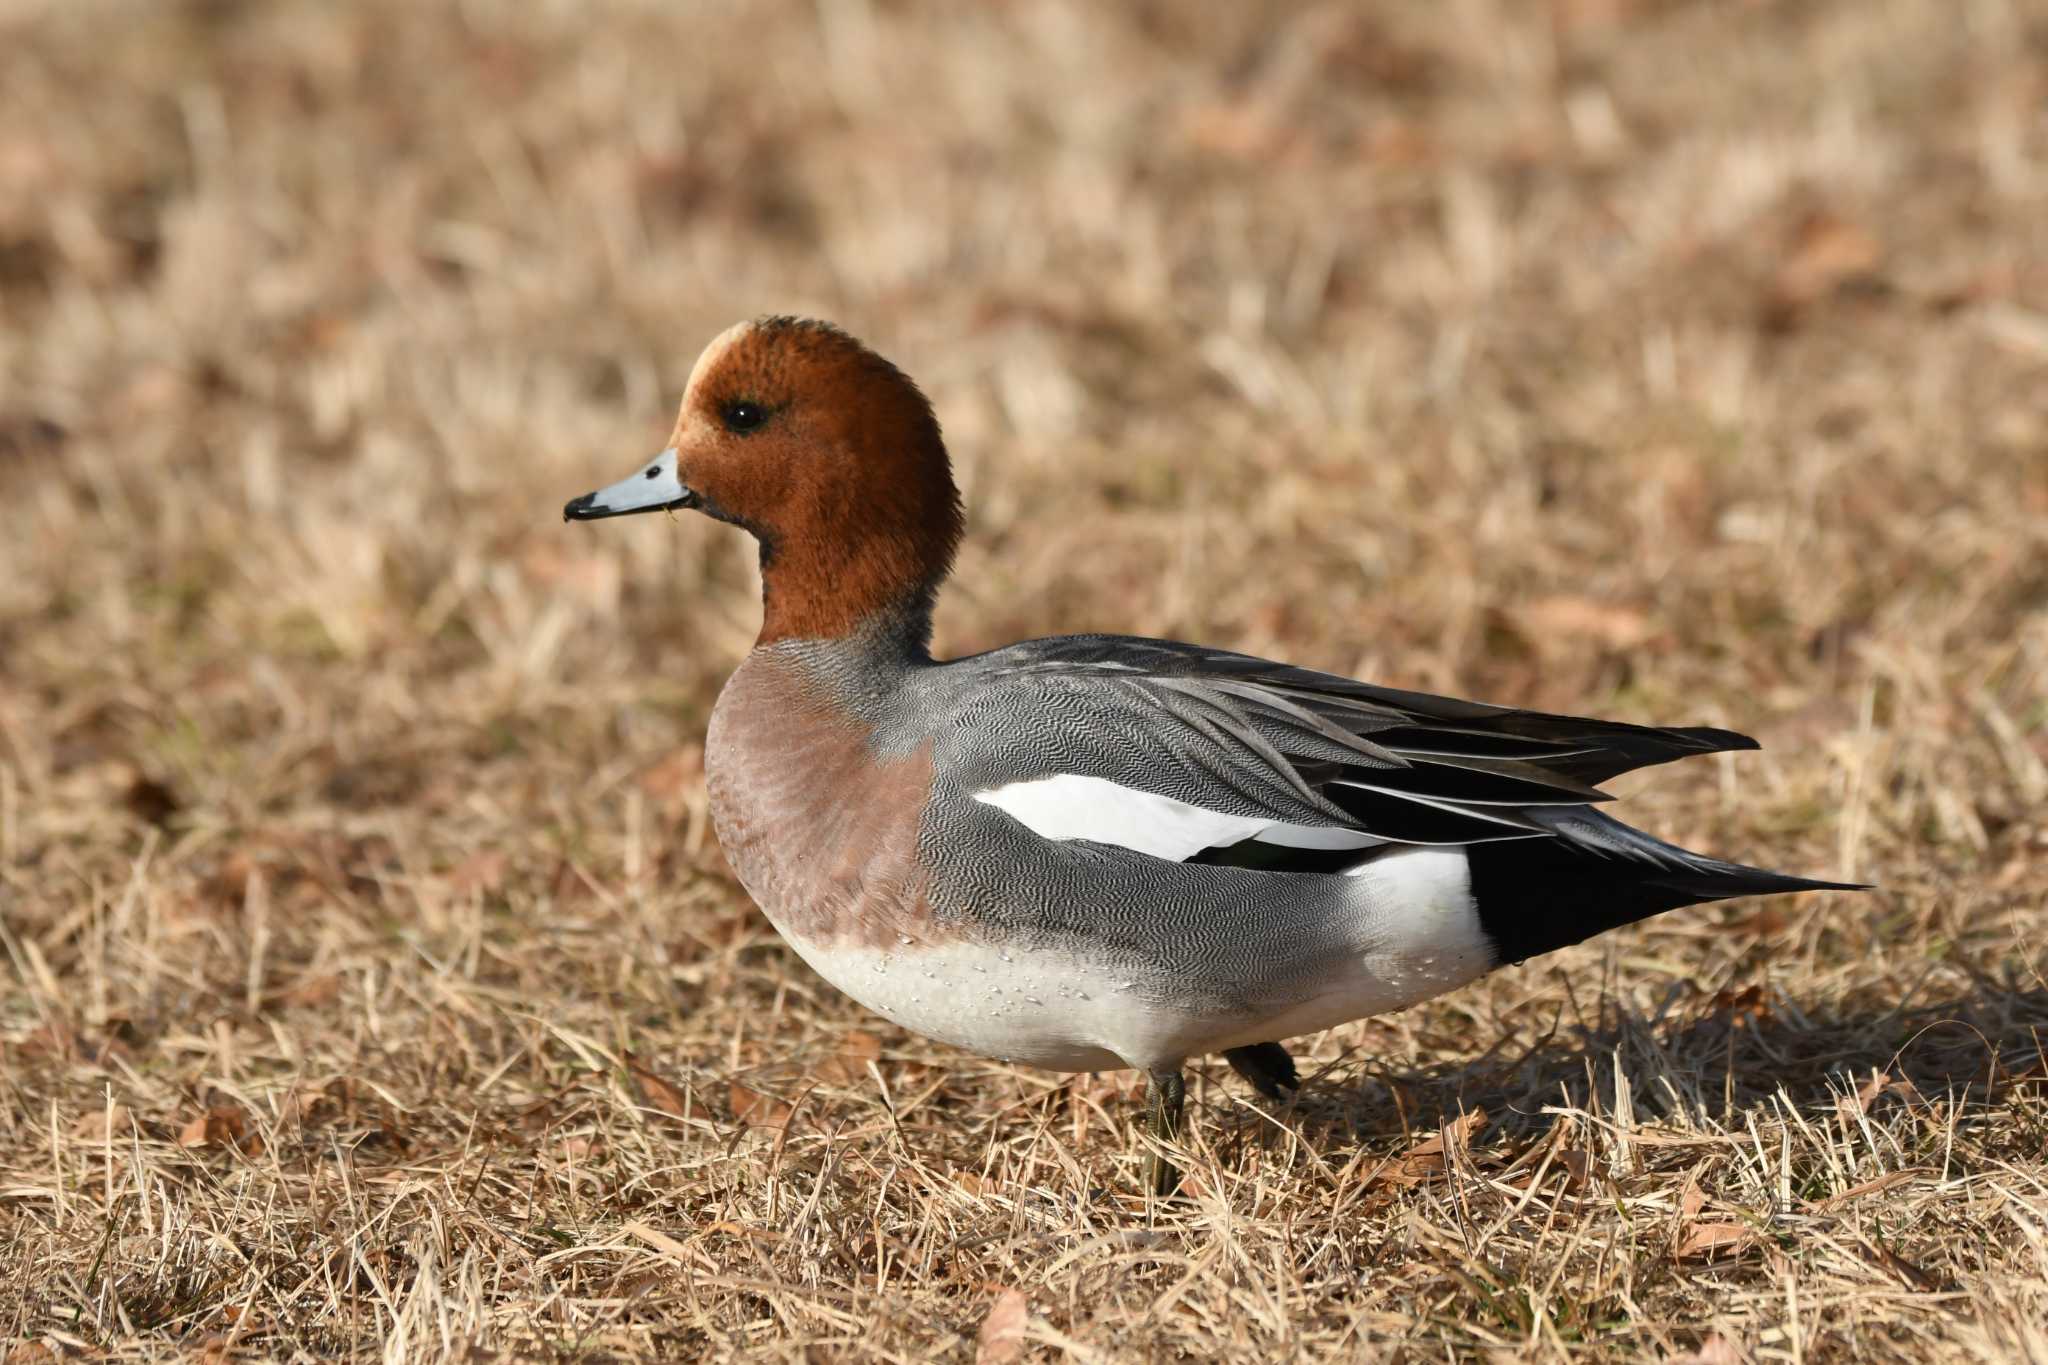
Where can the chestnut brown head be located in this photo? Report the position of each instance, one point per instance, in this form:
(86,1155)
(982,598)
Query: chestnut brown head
(826,453)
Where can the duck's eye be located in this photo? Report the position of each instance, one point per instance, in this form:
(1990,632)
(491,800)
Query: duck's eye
(742,416)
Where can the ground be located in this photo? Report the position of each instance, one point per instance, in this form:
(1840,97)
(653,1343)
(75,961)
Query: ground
(372,983)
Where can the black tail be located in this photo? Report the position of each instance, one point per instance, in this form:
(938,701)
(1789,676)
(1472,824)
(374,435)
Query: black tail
(1594,874)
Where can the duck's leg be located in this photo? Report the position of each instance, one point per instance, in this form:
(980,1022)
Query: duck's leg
(1163,1101)
(1267,1066)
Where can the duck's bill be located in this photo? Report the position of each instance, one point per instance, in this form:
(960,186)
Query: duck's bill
(653,488)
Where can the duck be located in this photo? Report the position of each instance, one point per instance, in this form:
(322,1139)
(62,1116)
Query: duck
(1096,852)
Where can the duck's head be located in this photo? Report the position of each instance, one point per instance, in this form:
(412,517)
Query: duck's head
(827,454)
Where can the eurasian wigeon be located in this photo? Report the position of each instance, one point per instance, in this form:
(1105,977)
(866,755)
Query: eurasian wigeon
(1099,851)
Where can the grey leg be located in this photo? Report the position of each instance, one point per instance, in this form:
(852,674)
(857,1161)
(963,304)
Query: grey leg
(1163,1101)
(1267,1066)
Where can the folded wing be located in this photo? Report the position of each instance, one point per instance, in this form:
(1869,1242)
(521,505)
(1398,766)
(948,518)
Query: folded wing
(1193,754)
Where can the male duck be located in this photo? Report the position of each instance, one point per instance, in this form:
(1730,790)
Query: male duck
(1099,851)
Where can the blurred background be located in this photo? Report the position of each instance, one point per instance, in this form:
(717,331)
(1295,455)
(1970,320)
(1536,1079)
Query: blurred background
(1678,362)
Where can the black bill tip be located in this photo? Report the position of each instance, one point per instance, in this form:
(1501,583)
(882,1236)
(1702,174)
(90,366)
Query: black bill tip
(588,508)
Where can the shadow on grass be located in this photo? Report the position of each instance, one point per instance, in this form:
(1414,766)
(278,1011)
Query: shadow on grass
(1735,1052)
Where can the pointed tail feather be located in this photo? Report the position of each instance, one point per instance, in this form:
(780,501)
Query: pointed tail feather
(1597,874)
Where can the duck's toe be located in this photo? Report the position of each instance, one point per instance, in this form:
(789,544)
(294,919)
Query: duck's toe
(1267,1066)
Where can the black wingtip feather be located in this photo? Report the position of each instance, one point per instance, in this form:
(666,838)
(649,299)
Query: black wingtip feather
(1618,748)
(1713,741)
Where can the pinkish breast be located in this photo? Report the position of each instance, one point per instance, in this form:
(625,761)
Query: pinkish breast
(821,832)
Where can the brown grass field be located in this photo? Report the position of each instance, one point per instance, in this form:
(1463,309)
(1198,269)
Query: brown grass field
(372,984)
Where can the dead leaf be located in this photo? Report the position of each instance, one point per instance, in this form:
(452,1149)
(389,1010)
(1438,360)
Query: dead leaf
(592,577)
(298,1104)
(655,1092)
(1244,130)
(1827,253)
(1708,1239)
(1715,1350)
(755,1109)
(223,1125)
(482,872)
(1586,618)
(99,1124)
(231,882)
(336,1099)
(1883,1182)
(569,885)
(1573,1163)
(1745,1006)
(1763,924)
(1908,1274)
(55,1039)
(769,1236)
(2034,1071)
(1431,1156)
(1002,1331)
(672,782)
(1398,142)
(1701,1239)
(1856,1105)
(1879,1085)
(849,1066)
(323,988)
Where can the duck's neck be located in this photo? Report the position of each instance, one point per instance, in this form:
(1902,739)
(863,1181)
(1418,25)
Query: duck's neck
(867,577)
(879,645)
(858,621)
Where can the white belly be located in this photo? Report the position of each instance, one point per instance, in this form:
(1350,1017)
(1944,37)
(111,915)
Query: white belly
(1416,932)
(1038,1008)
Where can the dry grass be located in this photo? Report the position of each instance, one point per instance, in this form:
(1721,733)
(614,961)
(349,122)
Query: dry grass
(372,983)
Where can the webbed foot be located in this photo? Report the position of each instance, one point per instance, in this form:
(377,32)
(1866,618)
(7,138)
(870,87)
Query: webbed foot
(1267,1066)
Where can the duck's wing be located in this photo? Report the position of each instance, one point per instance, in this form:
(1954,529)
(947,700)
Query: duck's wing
(1205,757)
(1309,752)
(1202,755)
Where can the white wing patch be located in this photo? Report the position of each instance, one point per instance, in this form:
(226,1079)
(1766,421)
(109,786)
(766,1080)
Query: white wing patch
(1070,806)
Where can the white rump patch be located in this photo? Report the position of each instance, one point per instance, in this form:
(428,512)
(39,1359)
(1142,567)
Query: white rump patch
(1422,919)
(1417,934)
(1070,806)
